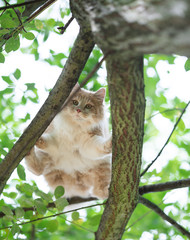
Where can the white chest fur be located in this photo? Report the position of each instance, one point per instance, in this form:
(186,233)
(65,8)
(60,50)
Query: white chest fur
(70,146)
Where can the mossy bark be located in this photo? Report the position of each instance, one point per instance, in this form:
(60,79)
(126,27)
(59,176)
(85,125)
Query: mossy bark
(126,88)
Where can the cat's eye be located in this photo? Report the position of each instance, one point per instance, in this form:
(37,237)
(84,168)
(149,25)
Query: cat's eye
(75,102)
(88,106)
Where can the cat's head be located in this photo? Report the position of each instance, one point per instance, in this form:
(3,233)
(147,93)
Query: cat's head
(86,106)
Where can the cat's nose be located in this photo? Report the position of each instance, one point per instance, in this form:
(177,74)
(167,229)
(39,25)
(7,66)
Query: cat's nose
(78,110)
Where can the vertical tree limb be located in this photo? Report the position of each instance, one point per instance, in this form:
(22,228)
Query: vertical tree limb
(66,81)
(126,88)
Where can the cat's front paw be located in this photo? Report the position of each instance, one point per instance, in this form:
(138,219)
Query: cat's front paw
(108,146)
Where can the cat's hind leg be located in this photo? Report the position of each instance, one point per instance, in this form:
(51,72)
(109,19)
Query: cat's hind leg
(101,175)
(76,184)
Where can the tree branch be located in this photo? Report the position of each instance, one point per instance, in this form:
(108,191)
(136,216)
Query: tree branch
(142,190)
(68,78)
(165,111)
(63,29)
(161,213)
(55,215)
(167,141)
(126,89)
(19,4)
(150,26)
(71,201)
(164,186)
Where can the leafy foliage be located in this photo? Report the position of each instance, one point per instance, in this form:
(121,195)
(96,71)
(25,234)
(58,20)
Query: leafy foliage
(24,207)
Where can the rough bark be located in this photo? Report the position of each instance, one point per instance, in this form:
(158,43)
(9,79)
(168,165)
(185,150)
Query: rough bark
(126,88)
(66,81)
(139,27)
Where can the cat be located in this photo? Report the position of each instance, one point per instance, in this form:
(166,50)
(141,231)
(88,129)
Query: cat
(75,150)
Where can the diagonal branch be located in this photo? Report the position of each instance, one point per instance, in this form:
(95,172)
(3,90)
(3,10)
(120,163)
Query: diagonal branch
(142,190)
(161,213)
(63,29)
(72,201)
(68,78)
(16,5)
(167,141)
(164,186)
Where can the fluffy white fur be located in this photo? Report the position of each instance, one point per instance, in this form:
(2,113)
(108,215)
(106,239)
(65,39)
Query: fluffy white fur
(77,144)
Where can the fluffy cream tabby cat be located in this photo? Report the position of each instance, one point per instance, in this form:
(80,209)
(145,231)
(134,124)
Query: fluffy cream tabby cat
(75,150)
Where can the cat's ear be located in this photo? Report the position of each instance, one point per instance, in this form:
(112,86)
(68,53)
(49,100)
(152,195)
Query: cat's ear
(100,94)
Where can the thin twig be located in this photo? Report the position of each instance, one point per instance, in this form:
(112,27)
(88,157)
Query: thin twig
(167,110)
(54,215)
(164,186)
(19,5)
(146,169)
(161,213)
(74,223)
(63,29)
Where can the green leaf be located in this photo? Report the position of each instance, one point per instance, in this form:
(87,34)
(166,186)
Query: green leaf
(187,65)
(30,86)
(12,44)
(29,35)
(52,225)
(61,203)
(7,22)
(6,210)
(2,58)
(4,31)
(7,79)
(8,90)
(59,192)
(21,172)
(15,229)
(28,215)
(75,216)
(39,24)
(19,212)
(41,208)
(11,195)
(45,196)
(17,73)
(26,202)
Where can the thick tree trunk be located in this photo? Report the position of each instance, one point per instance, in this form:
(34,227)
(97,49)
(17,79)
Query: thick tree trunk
(126,88)
(139,27)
